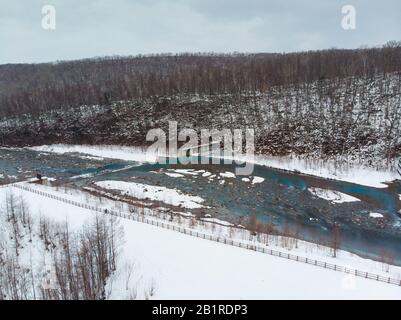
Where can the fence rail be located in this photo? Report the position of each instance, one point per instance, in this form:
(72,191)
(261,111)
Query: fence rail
(228,241)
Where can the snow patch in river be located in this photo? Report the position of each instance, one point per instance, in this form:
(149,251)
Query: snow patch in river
(375,215)
(227,174)
(190,172)
(257,180)
(174,175)
(331,195)
(156,193)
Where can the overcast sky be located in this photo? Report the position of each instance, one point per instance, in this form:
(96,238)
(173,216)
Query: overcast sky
(88,28)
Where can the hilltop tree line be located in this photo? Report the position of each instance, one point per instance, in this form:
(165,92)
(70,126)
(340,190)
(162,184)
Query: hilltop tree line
(34,88)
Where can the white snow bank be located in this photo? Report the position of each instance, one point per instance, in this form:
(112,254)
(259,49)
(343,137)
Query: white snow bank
(331,195)
(104,151)
(35,179)
(162,194)
(218,221)
(327,169)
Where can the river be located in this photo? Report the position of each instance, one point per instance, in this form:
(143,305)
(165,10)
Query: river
(282,199)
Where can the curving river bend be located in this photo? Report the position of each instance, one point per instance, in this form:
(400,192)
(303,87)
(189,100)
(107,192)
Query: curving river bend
(283,198)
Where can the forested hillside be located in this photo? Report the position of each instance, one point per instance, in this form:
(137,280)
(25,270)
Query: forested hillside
(32,88)
(322,104)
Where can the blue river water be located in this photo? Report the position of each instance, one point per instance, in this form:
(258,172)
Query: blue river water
(282,199)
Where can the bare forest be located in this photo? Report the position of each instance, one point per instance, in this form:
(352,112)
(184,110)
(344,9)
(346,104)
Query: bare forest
(326,104)
(44,260)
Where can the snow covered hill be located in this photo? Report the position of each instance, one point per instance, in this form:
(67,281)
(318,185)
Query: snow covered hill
(349,120)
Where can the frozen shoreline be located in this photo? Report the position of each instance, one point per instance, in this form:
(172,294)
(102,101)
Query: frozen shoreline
(325,169)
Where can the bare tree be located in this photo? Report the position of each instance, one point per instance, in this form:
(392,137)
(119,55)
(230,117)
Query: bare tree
(387,258)
(335,242)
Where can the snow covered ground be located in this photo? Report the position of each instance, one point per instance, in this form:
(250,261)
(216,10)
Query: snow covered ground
(221,228)
(327,169)
(183,267)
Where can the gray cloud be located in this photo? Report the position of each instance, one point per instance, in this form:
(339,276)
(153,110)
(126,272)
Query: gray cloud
(87,28)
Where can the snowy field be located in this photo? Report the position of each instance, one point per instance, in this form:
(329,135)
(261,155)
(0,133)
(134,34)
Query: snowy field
(326,169)
(178,266)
